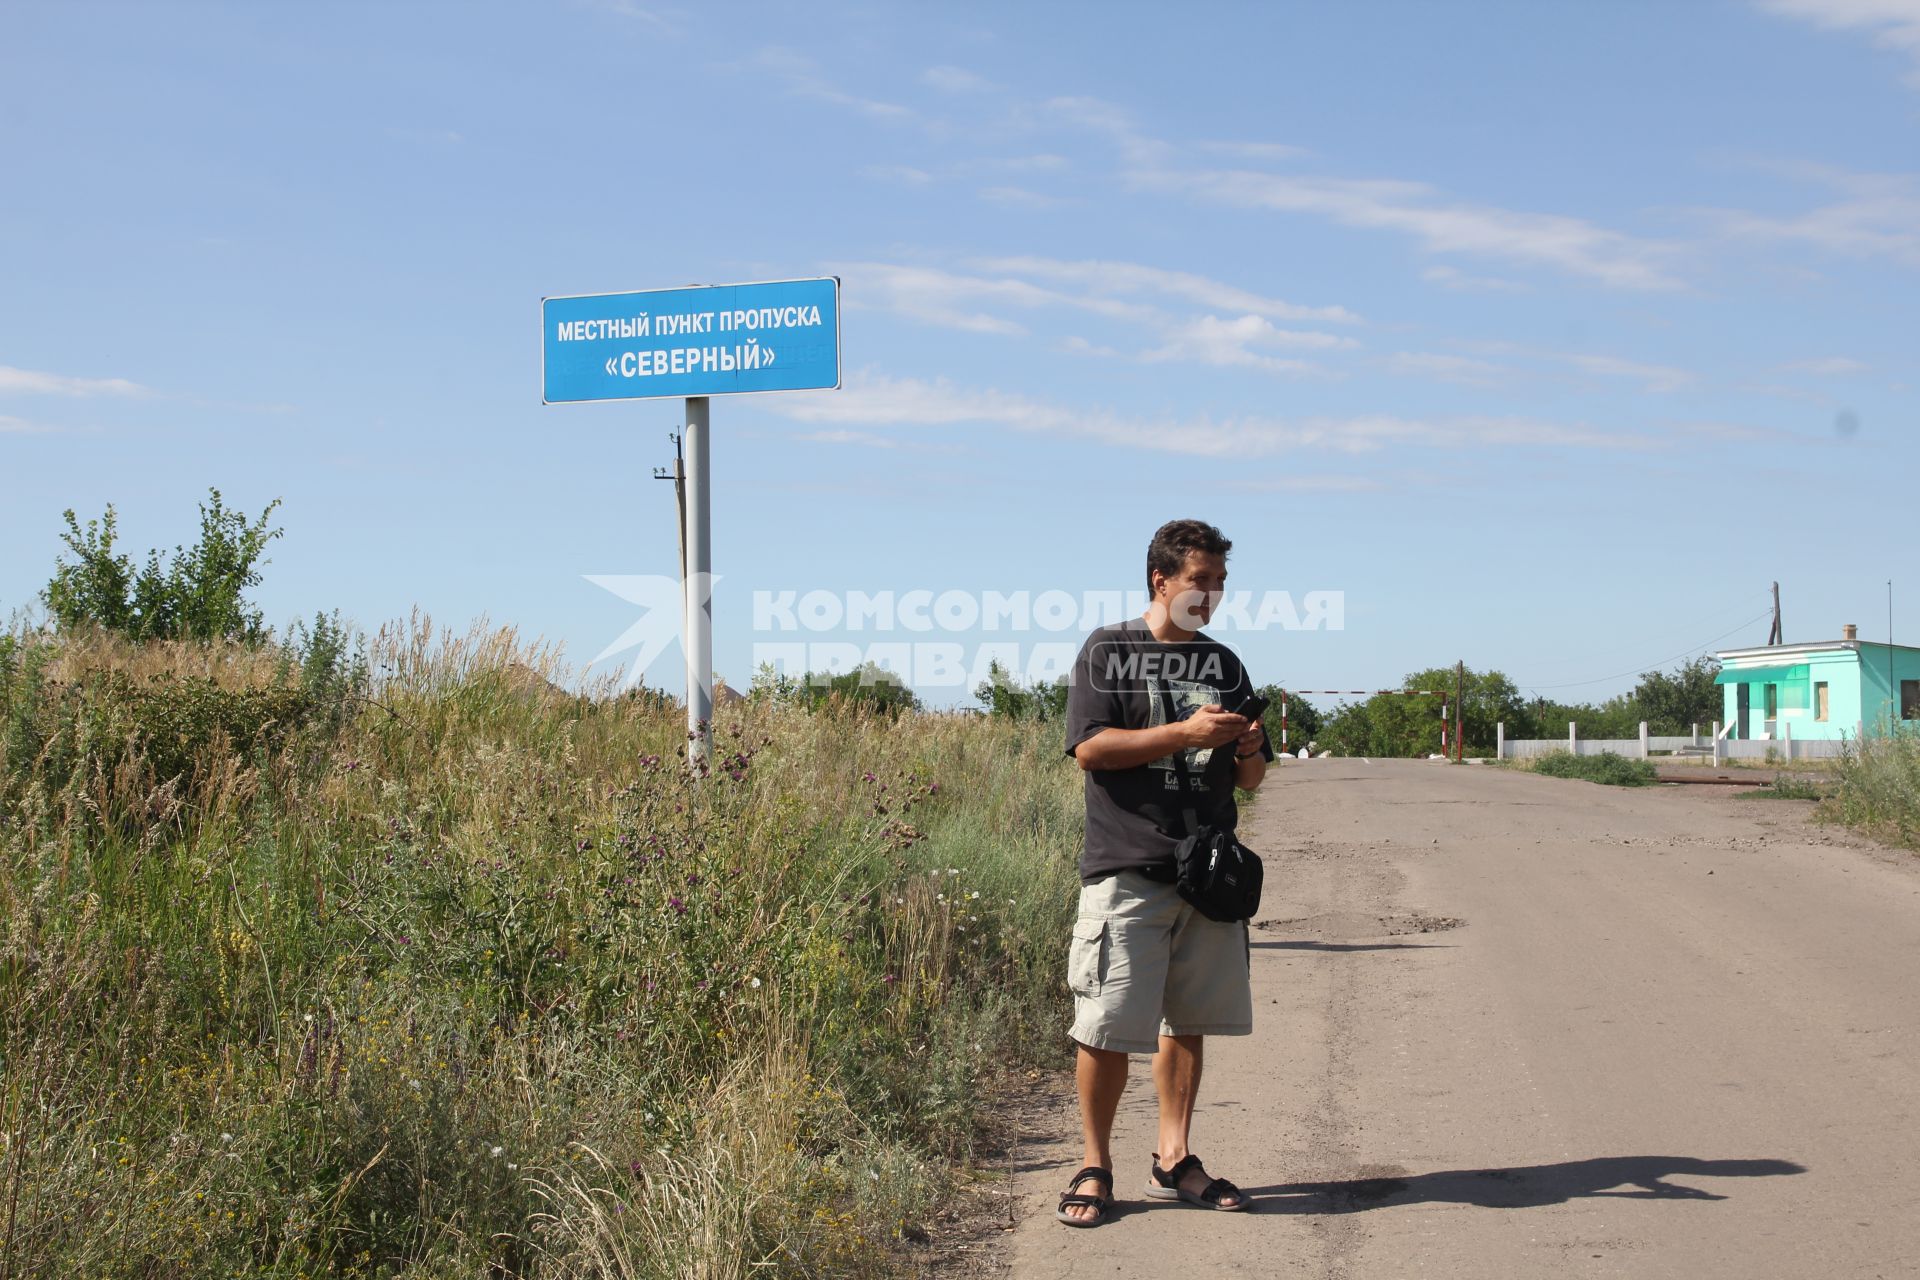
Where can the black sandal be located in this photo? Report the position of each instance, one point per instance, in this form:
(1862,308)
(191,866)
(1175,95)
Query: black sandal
(1099,1204)
(1164,1184)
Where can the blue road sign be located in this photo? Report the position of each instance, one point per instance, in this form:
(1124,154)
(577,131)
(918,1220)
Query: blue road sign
(712,340)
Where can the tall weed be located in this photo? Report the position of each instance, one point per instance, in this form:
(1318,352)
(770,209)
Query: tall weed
(440,969)
(1879,786)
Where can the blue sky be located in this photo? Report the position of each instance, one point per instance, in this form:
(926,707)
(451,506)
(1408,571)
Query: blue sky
(1548,334)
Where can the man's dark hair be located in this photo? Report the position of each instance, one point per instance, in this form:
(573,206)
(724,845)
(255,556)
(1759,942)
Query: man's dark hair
(1168,550)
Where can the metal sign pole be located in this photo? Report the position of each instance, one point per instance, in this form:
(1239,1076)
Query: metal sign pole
(699,577)
(692,342)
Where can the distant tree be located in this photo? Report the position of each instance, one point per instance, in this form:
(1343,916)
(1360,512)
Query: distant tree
(867,685)
(199,595)
(1399,724)
(1674,703)
(1670,703)
(1003,694)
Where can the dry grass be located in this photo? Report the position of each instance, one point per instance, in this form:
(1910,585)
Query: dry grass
(463,974)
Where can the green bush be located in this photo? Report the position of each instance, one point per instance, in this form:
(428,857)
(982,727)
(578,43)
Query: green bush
(1608,768)
(871,685)
(1792,789)
(1003,693)
(199,595)
(1878,786)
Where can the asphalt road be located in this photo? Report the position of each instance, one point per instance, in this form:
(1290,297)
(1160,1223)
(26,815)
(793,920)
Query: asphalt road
(1519,1026)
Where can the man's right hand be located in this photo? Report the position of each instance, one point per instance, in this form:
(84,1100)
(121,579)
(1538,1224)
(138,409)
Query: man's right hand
(1212,726)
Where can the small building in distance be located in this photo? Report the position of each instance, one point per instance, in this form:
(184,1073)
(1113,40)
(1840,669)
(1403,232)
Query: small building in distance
(1836,689)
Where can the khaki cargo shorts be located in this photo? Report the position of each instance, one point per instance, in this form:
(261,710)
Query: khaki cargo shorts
(1143,964)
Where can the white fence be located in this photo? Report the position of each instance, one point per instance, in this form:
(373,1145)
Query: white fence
(1718,746)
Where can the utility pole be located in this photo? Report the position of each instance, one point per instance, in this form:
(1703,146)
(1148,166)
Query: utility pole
(1459,710)
(1775,636)
(679,477)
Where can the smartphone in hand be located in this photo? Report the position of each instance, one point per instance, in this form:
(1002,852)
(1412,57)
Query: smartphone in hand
(1250,704)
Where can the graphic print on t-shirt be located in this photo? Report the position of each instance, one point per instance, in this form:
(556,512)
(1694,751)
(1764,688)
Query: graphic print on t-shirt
(1188,697)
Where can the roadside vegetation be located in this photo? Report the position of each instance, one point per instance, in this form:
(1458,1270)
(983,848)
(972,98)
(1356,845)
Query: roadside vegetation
(1399,725)
(1606,768)
(330,957)
(1878,788)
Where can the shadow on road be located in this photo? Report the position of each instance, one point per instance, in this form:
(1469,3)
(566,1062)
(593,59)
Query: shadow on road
(1527,1187)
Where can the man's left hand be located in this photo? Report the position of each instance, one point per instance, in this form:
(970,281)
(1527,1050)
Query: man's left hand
(1249,741)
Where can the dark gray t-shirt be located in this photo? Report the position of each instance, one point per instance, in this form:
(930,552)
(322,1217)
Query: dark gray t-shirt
(1134,816)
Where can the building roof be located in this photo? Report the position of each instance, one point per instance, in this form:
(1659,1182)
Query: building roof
(1767,651)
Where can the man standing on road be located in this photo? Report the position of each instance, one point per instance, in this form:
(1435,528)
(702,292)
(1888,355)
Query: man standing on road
(1149,973)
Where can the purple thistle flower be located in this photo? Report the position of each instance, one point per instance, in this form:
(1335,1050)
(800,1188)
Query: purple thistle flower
(679,907)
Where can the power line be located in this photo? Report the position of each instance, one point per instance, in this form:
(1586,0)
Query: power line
(1644,667)
(1712,619)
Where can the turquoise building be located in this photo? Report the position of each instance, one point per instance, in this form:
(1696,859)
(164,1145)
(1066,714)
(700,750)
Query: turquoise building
(1838,689)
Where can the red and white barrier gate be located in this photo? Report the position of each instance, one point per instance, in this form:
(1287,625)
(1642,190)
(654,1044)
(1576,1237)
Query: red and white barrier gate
(1371,693)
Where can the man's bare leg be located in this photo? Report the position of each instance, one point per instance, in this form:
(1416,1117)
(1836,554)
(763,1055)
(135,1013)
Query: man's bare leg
(1102,1077)
(1176,1074)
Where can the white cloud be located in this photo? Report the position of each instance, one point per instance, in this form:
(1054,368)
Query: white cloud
(1461,369)
(878,440)
(10,425)
(1211,340)
(1454,278)
(955,80)
(1020,198)
(1308,484)
(876,400)
(803,78)
(842,436)
(952,301)
(1115,123)
(1042,162)
(628,9)
(1107,277)
(1879,217)
(1082,347)
(1440,225)
(60,384)
(1738,433)
(1654,377)
(1827,366)
(1271,152)
(905,175)
(978,304)
(1895,24)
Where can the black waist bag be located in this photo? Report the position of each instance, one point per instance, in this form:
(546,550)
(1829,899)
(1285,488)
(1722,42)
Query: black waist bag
(1216,873)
